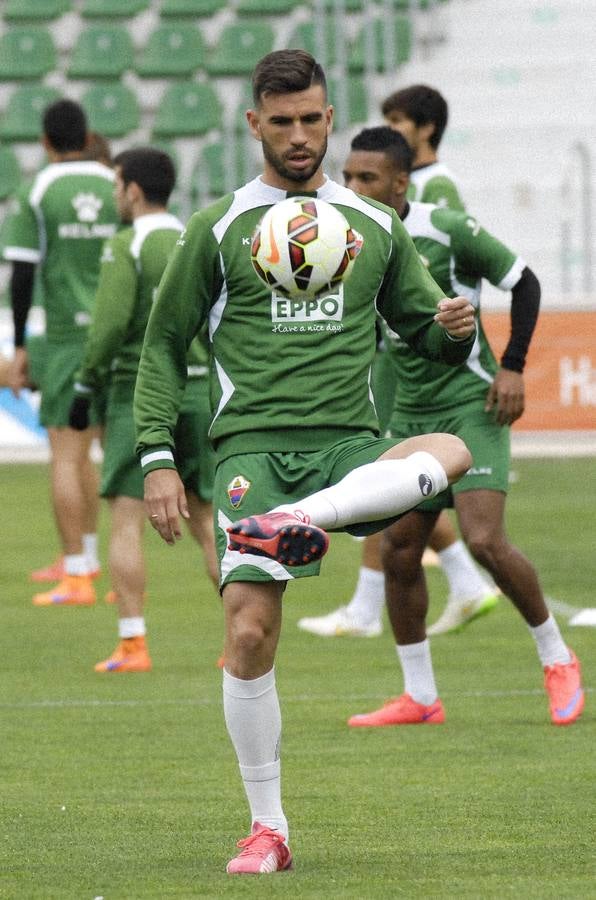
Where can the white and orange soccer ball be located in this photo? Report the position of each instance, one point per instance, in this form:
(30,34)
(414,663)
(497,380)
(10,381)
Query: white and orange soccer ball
(304,247)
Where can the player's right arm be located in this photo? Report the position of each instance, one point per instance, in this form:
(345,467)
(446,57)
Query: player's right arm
(443,192)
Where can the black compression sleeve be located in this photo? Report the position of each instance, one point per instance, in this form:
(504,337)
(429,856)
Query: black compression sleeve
(21,296)
(525,303)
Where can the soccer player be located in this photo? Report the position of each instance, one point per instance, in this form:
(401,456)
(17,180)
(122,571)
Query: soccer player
(132,264)
(420,114)
(478,401)
(294,428)
(60,224)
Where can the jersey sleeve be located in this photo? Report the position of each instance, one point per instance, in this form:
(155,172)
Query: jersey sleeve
(190,283)
(20,235)
(113,307)
(481,254)
(443,192)
(408,302)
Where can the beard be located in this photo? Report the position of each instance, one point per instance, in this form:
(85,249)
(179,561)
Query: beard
(279,164)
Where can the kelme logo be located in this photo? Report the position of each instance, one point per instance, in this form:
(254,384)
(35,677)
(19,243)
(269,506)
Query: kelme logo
(87,207)
(425,483)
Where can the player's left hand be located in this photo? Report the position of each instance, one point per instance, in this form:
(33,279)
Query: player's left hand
(457,316)
(506,397)
(165,501)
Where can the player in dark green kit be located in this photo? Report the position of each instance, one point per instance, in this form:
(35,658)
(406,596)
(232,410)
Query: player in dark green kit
(478,401)
(294,427)
(131,266)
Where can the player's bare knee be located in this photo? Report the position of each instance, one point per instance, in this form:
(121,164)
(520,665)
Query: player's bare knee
(455,457)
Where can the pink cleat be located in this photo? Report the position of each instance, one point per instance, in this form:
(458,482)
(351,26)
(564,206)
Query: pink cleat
(263,852)
(289,539)
(401,711)
(564,688)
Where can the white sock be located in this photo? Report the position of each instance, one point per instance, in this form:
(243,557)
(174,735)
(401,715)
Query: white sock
(133,626)
(374,491)
(366,605)
(462,573)
(419,679)
(76,564)
(90,548)
(549,643)
(253,720)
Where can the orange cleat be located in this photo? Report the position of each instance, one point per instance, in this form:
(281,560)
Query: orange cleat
(401,711)
(289,539)
(73,590)
(131,655)
(111,597)
(564,688)
(264,851)
(55,572)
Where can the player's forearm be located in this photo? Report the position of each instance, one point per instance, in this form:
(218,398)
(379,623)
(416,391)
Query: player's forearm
(21,297)
(525,304)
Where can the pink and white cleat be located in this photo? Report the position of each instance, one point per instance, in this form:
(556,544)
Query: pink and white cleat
(264,851)
(287,538)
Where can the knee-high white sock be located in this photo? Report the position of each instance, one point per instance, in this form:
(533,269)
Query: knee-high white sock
(419,679)
(374,491)
(366,606)
(464,577)
(253,720)
(549,643)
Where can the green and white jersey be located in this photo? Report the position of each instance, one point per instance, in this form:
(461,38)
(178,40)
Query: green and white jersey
(60,222)
(459,254)
(437,184)
(132,264)
(287,374)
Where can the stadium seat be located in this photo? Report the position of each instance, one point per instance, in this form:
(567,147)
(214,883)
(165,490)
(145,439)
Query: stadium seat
(26,51)
(359,56)
(172,49)
(245,102)
(187,109)
(112,109)
(22,120)
(96,9)
(10,173)
(28,10)
(179,8)
(350,5)
(265,7)
(306,36)
(348,96)
(209,174)
(101,51)
(240,47)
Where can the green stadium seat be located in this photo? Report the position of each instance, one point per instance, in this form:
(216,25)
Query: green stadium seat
(209,174)
(10,173)
(349,99)
(22,120)
(265,7)
(101,51)
(180,8)
(359,57)
(245,102)
(112,109)
(306,35)
(350,5)
(187,109)
(26,51)
(101,9)
(240,47)
(172,49)
(28,10)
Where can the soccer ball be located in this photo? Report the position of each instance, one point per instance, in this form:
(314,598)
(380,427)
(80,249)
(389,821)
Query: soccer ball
(303,247)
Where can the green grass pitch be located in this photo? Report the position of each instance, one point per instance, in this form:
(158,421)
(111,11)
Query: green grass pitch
(126,787)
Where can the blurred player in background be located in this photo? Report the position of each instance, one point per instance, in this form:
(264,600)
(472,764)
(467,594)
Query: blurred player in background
(478,401)
(60,224)
(293,413)
(132,264)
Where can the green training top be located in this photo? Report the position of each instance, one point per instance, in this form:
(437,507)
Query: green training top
(287,374)
(61,222)
(132,264)
(459,254)
(435,183)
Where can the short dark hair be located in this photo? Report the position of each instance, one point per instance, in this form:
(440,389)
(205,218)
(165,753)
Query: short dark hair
(286,72)
(150,168)
(65,126)
(423,105)
(383,139)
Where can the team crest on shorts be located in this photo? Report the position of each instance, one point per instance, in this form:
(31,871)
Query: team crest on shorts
(237,488)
